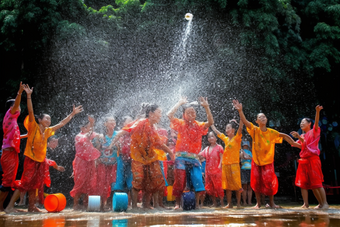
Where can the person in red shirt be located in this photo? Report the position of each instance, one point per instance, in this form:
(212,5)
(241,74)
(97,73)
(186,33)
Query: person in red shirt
(309,173)
(10,145)
(188,145)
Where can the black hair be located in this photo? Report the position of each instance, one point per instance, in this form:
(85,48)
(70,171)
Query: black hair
(233,124)
(309,121)
(9,103)
(39,116)
(146,108)
(84,123)
(188,105)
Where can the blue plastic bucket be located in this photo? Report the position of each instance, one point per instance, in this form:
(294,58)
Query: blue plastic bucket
(188,200)
(94,203)
(120,201)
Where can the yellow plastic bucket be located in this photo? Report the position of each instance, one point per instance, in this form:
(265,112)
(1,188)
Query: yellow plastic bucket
(170,197)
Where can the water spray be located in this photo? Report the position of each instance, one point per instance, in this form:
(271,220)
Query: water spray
(188,16)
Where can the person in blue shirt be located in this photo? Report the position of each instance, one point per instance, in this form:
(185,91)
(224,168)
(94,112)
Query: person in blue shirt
(246,157)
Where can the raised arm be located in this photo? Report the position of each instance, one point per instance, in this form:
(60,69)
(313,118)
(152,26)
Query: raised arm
(76,110)
(17,99)
(215,130)
(205,104)
(240,127)
(171,113)
(318,108)
(239,108)
(29,92)
(290,140)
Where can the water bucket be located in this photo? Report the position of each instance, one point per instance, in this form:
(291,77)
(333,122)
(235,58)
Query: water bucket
(188,200)
(55,202)
(120,201)
(94,203)
(170,197)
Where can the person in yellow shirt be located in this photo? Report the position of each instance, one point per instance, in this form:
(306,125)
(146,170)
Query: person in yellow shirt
(263,179)
(35,164)
(230,162)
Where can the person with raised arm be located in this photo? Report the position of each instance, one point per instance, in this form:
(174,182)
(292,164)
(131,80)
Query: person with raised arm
(188,145)
(10,145)
(35,165)
(146,145)
(263,178)
(309,173)
(230,162)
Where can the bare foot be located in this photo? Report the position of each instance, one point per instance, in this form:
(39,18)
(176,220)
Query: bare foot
(228,206)
(34,209)
(11,210)
(274,206)
(176,207)
(239,206)
(257,206)
(305,206)
(325,206)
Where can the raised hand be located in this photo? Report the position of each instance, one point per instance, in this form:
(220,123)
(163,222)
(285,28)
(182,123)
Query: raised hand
(183,100)
(27,89)
(204,101)
(77,110)
(91,119)
(21,88)
(237,105)
(318,108)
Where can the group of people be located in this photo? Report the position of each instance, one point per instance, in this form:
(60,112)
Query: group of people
(134,159)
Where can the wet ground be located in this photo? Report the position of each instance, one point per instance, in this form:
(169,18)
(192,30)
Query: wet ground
(288,216)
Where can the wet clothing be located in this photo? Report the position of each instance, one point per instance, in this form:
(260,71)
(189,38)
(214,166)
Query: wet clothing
(309,173)
(11,131)
(213,174)
(232,148)
(36,145)
(9,164)
(246,163)
(263,179)
(231,177)
(147,174)
(263,148)
(245,176)
(84,165)
(41,189)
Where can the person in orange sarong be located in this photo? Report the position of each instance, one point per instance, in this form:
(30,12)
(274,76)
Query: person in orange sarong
(146,145)
(263,179)
(38,131)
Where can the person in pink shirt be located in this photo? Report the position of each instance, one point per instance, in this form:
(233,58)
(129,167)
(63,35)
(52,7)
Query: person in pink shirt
(84,164)
(10,145)
(309,173)
(213,172)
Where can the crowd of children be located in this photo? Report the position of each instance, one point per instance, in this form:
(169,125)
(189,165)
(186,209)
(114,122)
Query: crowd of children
(143,158)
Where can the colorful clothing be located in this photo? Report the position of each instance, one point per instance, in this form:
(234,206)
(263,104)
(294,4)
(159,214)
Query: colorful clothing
(309,173)
(189,136)
(263,179)
(246,163)
(11,131)
(263,144)
(145,167)
(36,145)
(9,164)
(84,165)
(232,148)
(231,177)
(41,197)
(147,177)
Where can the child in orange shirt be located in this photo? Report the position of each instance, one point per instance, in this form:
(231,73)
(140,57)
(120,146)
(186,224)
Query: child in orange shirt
(38,132)
(231,174)
(263,178)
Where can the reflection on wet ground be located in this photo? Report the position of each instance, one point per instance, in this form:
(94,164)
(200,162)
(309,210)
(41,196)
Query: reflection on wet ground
(289,216)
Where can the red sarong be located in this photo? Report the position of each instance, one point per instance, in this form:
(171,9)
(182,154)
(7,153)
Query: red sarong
(35,174)
(213,185)
(263,179)
(106,175)
(309,174)
(9,164)
(85,177)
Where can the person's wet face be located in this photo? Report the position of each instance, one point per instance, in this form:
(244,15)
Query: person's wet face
(305,125)
(212,138)
(229,130)
(45,121)
(261,119)
(190,114)
(156,115)
(110,123)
